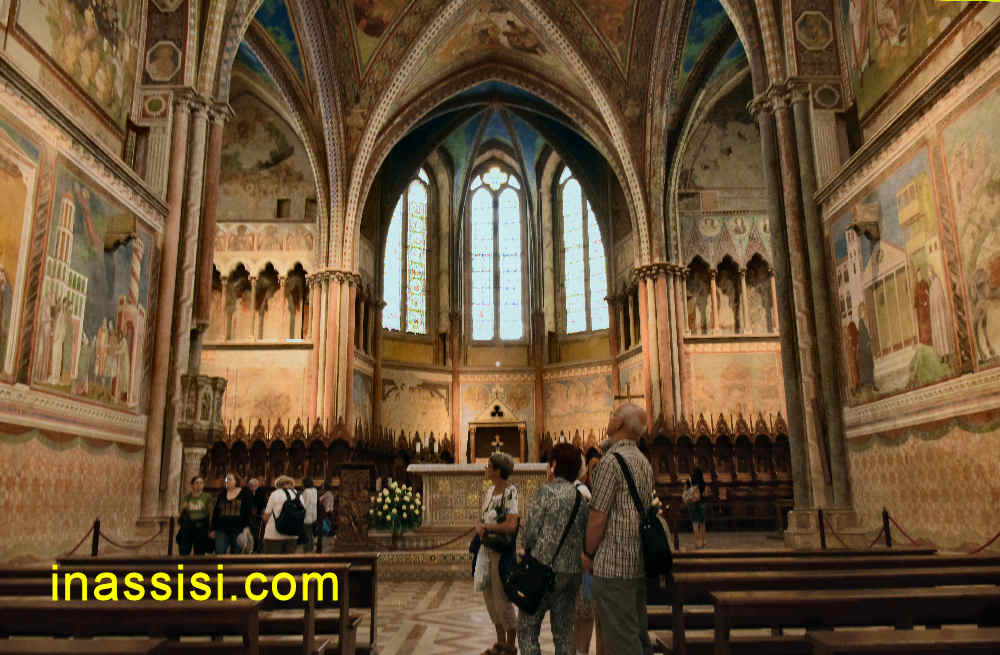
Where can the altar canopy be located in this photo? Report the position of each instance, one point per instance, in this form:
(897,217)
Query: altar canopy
(497,429)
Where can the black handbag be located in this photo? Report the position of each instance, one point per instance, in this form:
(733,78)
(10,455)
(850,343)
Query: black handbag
(652,531)
(529,580)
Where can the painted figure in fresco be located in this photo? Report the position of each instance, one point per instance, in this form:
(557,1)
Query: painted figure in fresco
(728,302)
(371,19)
(985,292)
(852,340)
(858,16)
(6,300)
(922,308)
(866,362)
(940,317)
(698,311)
(43,344)
(889,22)
(60,332)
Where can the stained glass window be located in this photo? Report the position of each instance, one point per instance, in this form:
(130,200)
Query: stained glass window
(497,266)
(406,306)
(481,247)
(509,237)
(584,265)
(416,259)
(392,270)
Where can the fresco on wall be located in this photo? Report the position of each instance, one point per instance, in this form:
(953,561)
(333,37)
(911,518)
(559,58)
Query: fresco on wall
(724,150)
(716,236)
(95,42)
(896,323)
(18,164)
(90,337)
(274,17)
(733,58)
(266,174)
(732,382)
(361,397)
(612,18)
(707,18)
(519,396)
(250,389)
(372,19)
(583,403)
(412,404)
(886,38)
(973,167)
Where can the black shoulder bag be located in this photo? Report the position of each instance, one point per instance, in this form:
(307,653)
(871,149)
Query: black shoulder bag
(530,580)
(652,531)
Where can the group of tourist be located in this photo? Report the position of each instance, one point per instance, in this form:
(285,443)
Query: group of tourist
(248,519)
(599,575)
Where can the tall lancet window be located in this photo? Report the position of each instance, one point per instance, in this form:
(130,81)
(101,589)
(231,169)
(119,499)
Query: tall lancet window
(496,259)
(584,269)
(404,268)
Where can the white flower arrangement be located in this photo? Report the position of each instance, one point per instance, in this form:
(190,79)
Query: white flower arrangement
(396,508)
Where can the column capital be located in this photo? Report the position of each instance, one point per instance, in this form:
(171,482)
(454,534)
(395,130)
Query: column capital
(220,112)
(800,89)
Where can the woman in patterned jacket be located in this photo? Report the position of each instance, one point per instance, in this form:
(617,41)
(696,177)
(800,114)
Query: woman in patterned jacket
(551,508)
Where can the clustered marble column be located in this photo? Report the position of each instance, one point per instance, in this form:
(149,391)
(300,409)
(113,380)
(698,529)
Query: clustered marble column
(336,345)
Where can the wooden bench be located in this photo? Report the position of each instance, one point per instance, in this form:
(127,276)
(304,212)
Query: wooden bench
(822,562)
(333,619)
(911,642)
(695,588)
(52,646)
(829,608)
(35,615)
(707,553)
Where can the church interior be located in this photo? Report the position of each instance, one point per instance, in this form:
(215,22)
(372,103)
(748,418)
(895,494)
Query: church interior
(368,240)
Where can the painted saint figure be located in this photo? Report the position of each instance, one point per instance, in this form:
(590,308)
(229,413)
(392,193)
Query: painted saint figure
(939,314)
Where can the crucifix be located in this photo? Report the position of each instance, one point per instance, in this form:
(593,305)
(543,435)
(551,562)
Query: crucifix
(628,394)
(497,444)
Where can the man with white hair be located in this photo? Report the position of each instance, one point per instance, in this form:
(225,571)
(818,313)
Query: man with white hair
(612,548)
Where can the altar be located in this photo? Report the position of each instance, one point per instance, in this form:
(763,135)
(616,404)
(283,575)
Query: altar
(453,493)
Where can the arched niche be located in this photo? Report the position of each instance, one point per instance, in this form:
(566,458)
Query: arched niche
(700,309)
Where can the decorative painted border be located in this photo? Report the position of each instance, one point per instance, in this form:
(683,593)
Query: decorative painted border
(91,446)
(20,405)
(979,423)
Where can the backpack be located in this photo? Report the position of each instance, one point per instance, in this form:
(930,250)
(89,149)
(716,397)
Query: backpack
(292,517)
(653,532)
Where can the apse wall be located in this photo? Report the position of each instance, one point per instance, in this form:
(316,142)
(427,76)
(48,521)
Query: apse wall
(80,239)
(911,244)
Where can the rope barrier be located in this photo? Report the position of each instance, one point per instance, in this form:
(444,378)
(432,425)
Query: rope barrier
(79,543)
(915,542)
(881,531)
(136,546)
(986,545)
(826,520)
(900,528)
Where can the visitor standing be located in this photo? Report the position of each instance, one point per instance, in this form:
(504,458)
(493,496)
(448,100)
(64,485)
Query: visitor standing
(194,519)
(498,532)
(276,541)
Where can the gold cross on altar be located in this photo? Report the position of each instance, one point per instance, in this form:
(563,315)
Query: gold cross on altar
(497,444)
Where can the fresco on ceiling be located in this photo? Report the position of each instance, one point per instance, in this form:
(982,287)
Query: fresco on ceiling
(886,38)
(973,168)
(372,19)
(266,174)
(612,18)
(724,150)
(274,17)
(496,129)
(493,29)
(891,288)
(733,58)
(531,146)
(707,18)
(18,169)
(95,42)
(90,336)
(249,61)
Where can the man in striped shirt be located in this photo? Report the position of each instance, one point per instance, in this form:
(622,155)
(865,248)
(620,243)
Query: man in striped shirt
(613,549)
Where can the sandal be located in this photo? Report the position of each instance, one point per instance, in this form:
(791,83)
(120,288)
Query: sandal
(495,649)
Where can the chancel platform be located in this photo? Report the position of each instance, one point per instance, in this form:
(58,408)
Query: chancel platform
(453,493)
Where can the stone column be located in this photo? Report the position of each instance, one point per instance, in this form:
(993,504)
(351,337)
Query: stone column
(664,365)
(680,325)
(332,347)
(647,345)
(255,315)
(377,368)
(744,311)
(191,466)
(805,326)
(538,341)
(774,299)
(715,302)
(352,294)
(164,314)
(652,338)
(454,354)
(184,299)
(614,304)
(345,352)
(825,316)
(320,340)
(785,309)
(206,234)
(315,293)
(675,344)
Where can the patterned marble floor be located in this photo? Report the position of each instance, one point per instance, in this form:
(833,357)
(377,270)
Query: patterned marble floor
(436,618)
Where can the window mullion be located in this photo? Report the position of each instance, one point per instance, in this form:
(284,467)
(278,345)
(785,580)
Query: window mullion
(496,266)
(402,261)
(586,257)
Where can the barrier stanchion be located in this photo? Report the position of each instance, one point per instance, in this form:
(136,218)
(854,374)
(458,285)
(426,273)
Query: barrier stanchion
(170,537)
(886,528)
(822,531)
(95,544)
